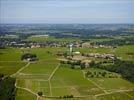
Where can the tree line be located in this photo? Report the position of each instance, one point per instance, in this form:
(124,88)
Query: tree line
(7,88)
(124,68)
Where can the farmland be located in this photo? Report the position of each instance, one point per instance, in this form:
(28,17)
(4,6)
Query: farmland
(45,39)
(56,81)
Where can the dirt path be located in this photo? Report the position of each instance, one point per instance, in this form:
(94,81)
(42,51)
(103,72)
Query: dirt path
(129,95)
(49,79)
(28,91)
(21,69)
(98,86)
(118,91)
(95,83)
(18,72)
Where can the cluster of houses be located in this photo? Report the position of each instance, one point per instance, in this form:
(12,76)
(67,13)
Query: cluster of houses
(27,44)
(98,55)
(90,45)
(30,44)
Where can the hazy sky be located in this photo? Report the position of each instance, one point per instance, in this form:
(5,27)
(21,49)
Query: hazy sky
(66,11)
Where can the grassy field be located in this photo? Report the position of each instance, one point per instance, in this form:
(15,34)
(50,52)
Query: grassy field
(94,50)
(9,68)
(10,54)
(24,95)
(40,68)
(118,96)
(125,52)
(35,85)
(71,81)
(42,75)
(44,39)
(112,84)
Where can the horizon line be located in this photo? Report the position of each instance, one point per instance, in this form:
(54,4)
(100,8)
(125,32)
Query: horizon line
(66,23)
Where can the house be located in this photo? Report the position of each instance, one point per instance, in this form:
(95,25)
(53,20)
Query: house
(86,45)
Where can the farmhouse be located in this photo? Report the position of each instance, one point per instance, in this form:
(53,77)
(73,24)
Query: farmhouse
(86,45)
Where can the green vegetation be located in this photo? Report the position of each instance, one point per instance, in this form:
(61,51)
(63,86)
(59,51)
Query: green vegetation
(9,37)
(51,39)
(8,68)
(117,96)
(113,84)
(98,73)
(10,54)
(29,57)
(66,82)
(44,68)
(94,50)
(24,95)
(126,52)
(7,88)
(125,68)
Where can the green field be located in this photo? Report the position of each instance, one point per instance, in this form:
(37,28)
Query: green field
(10,54)
(53,80)
(71,81)
(112,84)
(40,68)
(118,96)
(9,68)
(44,39)
(125,52)
(94,50)
(23,95)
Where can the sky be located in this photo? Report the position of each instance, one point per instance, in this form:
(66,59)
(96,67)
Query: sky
(67,11)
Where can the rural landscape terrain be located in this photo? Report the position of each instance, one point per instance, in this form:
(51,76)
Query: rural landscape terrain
(66,62)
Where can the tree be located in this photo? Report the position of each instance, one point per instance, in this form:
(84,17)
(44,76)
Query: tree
(92,63)
(40,93)
(65,54)
(7,88)
(82,65)
(30,56)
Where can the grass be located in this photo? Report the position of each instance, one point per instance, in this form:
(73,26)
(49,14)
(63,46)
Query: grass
(113,83)
(72,82)
(46,53)
(44,68)
(24,95)
(100,40)
(126,52)
(10,54)
(14,54)
(66,81)
(45,39)
(34,85)
(117,96)
(9,68)
(40,68)
(99,73)
(94,50)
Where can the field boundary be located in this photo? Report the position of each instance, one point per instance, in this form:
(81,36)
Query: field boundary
(118,91)
(21,69)
(49,79)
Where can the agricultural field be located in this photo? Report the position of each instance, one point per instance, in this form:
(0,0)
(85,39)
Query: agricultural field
(118,96)
(9,68)
(45,39)
(71,83)
(10,54)
(23,95)
(95,50)
(55,80)
(126,52)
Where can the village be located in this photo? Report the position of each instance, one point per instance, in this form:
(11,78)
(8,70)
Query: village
(85,59)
